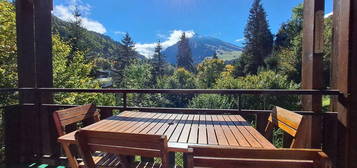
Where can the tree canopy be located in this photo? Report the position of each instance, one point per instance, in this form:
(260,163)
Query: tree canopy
(184,55)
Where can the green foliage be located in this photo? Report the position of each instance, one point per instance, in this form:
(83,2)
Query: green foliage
(126,57)
(181,79)
(96,45)
(288,47)
(74,75)
(288,31)
(184,54)
(326,59)
(263,80)
(208,71)
(137,76)
(8,67)
(259,40)
(211,101)
(158,63)
(103,63)
(267,80)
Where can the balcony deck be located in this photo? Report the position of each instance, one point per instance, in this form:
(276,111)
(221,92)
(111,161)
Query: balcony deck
(260,116)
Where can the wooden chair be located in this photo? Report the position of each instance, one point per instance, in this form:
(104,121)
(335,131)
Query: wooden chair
(296,125)
(122,144)
(218,157)
(63,118)
(66,121)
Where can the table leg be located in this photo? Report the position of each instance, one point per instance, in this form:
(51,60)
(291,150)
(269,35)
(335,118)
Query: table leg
(172,159)
(71,159)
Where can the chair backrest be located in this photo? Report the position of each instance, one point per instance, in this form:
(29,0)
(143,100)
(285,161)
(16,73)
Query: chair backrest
(218,157)
(121,144)
(65,117)
(292,123)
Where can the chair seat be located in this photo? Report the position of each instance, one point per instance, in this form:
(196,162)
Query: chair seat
(105,160)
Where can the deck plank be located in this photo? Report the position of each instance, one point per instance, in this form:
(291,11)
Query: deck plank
(147,123)
(126,122)
(165,120)
(211,134)
(164,127)
(179,129)
(139,123)
(259,137)
(186,129)
(193,138)
(239,124)
(238,135)
(173,126)
(227,132)
(124,125)
(153,124)
(202,132)
(110,121)
(221,138)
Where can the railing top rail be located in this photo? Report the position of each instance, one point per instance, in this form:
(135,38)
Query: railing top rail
(8,89)
(184,91)
(192,91)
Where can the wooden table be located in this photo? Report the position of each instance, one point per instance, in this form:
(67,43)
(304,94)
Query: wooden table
(183,129)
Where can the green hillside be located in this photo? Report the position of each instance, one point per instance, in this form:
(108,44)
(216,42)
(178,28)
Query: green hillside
(228,56)
(97,45)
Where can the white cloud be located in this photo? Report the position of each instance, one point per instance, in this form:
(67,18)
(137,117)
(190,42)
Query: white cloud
(119,33)
(147,49)
(240,40)
(328,15)
(65,12)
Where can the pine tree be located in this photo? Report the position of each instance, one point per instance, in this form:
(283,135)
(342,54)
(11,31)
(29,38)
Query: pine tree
(75,34)
(127,56)
(215,55)
(259,39)
(184,55)
(158,63)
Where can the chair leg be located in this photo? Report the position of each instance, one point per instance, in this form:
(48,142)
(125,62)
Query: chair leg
(71,159)
(171,159)
(125,161)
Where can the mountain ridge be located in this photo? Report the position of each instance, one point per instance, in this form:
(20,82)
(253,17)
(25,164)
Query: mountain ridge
(202,47)
(100,45)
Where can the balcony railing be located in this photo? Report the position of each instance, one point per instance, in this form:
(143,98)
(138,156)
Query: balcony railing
(260,116)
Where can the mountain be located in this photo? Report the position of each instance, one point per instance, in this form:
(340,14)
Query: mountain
(96,44)
(205,46)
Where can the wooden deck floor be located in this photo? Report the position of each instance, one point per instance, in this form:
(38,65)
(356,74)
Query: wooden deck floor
(31,165)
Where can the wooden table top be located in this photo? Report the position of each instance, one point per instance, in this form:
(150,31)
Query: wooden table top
(183,129)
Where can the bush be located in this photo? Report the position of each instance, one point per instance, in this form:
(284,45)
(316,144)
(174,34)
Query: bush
(263,80)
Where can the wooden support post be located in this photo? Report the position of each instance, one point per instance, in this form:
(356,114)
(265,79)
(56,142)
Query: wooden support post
(345,70)
(44,73)
(12,129)
(34,48)
(312,63)
(26,75)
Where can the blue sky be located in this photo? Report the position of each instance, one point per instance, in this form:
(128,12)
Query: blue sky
(150,20)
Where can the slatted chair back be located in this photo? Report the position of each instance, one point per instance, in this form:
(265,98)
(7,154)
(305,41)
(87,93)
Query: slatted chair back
(292,123)
(122,144)
(87,113)
(218,157)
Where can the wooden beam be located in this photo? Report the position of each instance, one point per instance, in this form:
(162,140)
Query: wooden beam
(312,63)
(34,44)
(44,72)
(345,55)
(26,75)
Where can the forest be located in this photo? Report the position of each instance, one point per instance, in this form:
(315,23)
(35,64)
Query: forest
(268,61)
